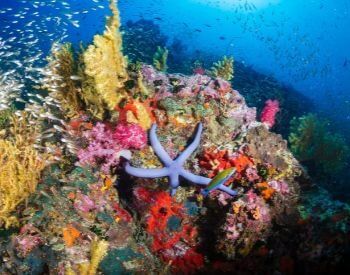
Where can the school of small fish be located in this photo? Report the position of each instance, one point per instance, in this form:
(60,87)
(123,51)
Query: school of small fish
(47,24)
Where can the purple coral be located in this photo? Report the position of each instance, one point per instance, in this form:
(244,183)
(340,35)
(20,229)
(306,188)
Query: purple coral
(106,146)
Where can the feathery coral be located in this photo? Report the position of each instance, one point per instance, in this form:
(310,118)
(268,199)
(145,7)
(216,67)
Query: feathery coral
(160,59)
(223,68)
(310,140)
(61,66)
(20,168)
(105,63)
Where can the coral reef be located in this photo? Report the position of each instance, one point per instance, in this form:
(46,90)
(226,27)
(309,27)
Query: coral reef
(171,229)
(173,168)
(223,68)
(311,141)
(20,169)
(103,206)
(19,175)
(105,146)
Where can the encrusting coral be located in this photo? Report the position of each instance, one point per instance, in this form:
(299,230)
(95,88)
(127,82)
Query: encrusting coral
(105,63)
(223,68)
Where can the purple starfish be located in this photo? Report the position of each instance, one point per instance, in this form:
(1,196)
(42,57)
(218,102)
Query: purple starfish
(174,168)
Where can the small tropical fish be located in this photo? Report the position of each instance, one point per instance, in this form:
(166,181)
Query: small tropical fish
(219,179)
(75,77)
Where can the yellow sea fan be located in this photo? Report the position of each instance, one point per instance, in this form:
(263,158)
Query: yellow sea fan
(105,63)
(20,169)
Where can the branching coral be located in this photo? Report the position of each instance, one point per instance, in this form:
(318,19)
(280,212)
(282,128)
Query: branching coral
(59,79)
(223,68)
(310,140)
(98,251)
(105,63)
(160,59)
(20,168)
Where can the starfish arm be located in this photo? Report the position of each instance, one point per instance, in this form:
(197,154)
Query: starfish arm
(194,178)
(174,182)
(190,149)
(146,173)
(158,148)
(227,190)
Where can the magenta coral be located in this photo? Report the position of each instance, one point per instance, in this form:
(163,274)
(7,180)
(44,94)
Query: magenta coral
(268,114)
(130,136)
(106,146)
(102,148)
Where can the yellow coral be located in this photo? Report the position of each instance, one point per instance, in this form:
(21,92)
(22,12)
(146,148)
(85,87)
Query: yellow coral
(98,251)
(105,63)
(143,90)
(223,68)
(160,59)
(20,168)
(141,117)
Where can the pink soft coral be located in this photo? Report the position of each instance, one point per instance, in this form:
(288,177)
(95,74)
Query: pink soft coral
(268,114)
(102,148)
(106,146)
(130,136)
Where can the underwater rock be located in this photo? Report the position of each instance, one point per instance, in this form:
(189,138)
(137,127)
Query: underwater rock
(266,178)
